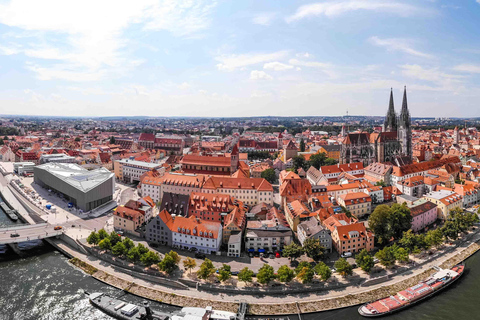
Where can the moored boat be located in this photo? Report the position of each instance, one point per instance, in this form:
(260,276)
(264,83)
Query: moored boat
(410,296)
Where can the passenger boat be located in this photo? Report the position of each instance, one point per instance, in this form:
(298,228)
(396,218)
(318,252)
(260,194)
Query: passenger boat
(410,296)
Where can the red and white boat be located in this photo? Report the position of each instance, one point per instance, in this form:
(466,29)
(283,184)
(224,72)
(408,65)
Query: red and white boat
(408,297)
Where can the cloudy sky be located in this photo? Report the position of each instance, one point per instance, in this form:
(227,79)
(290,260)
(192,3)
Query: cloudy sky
(238,58)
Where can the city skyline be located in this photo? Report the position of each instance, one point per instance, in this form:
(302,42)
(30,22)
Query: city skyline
(229,59)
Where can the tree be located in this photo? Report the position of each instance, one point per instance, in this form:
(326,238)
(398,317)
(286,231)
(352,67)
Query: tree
(189,263)
(434,237)
(380,183)
(299,162)
(306,275)
(112,140)
(150,258)
(330,162)
(119,249)
(401,254)
(93,238)
(105,244)
(77,139)
(133,254)
(317,160)
(343,267)
(285,274)
(224,273)
(128,243)
(378,222)
(265,274)
(114,238)
(269,175)
(313,249)
(142,249)
(301,265)
(364,260)
(323,271)
(245,275)
(400,219)
(292,251)
(206,269)
(409,240)
(450,230)
(102,234)
(302,145)
(169,262)
(386,256)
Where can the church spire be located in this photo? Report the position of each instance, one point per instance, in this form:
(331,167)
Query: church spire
(405,114)
(390,123)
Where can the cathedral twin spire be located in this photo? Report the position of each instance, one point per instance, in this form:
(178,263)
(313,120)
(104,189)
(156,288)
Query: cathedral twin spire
(391,122)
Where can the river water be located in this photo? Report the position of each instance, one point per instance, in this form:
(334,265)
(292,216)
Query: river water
(44,286)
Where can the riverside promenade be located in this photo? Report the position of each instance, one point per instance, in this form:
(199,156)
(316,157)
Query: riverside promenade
(266,304)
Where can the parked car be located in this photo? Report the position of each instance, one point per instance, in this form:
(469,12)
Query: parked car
(375,260)
(199,255)
(272,256)
(57,228)
(277,254)
(14,235)
(346,255)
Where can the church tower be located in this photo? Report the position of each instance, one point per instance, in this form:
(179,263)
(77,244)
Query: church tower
(405,130)
(390,124)
(234,159)
(456,136)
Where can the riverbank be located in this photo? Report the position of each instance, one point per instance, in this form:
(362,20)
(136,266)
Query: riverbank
(351,296)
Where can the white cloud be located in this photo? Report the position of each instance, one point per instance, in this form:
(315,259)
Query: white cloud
(469,68)
(331,9)
(327,68)
(264,19)
(259,75)
(86,39)
(277,66)
(444,81)
(184,86)
(395,44)
(303,55)
(239,61)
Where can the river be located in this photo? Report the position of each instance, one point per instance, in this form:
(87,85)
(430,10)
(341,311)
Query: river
(44,286)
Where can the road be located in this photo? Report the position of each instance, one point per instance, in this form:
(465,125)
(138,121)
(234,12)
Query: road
(26,233)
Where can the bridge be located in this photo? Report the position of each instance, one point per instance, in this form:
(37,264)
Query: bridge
(28,232)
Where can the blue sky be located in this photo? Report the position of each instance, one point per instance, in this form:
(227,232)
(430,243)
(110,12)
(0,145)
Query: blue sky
(239,58)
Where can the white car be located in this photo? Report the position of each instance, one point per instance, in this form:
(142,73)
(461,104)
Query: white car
(346,255)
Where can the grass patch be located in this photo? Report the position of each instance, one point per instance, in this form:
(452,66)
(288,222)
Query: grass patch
(83,265)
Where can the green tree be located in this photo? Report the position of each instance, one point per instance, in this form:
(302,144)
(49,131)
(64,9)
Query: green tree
(102,234)
(169,262)
(224,273)
(450,230)
(133,254)
(77,139)
(364,260)
(317,160)
(299,162)
(112,140)
(206,269)
(301,265)
(386,256)
(409,240)
(306,275)
(245,275)
(150,258)
(189,263)
(93,238)
(265,274)
(292,251)
(128,243)
(313,249)
(379,223)
(114,238)
(434,237)
(269,175)
(330,162)
(142,249)
(400,219)
(285,274)
(401,254)
(302,145)
(343,267)
(381,183)
(323,271)
(119,249)
(105,244)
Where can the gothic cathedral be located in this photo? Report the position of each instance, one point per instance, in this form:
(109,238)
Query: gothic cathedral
(393,144)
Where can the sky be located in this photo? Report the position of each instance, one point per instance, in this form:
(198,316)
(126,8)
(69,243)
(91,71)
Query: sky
(239,58)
